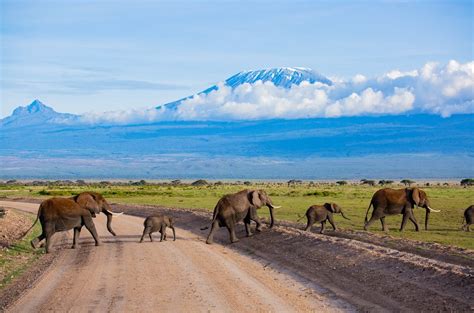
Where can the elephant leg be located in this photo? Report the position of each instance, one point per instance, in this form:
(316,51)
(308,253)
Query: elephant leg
(384,226)
(371,221)
(309,224)
(146,231)
(210,237)
(49,233)
(247,226)
(412,218)
(468,227)
(404,220)
(75,238)
(331,221)
(323,224)
(254,217)
(163,233)
(91,228)
(231,228)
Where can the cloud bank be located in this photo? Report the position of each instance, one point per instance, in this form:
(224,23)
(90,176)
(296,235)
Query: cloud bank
(435,89)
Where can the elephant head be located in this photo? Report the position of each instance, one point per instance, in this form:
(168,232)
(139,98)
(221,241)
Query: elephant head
(95,203)
(334,208)
(259,198)
(419,198)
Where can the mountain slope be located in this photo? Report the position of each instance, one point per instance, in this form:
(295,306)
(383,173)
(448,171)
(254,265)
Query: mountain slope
(34,114)
(284,77)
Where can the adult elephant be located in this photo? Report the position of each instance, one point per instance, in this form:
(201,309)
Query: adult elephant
(61,214)
(389,201)
(96,203)
(233,208)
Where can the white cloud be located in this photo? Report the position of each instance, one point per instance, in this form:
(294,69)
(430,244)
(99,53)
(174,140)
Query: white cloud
(433,89)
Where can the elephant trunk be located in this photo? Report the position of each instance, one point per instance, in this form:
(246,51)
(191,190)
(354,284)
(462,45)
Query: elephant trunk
(109,222)
(342,213)
(174,233)
(272,219)
(427,216)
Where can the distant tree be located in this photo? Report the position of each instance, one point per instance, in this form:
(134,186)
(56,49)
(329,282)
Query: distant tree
(407,182)
(200,182)
(218,183)
(341,182)
(11,181)
(294,182)
(176,182)
(367,182)
(467,182)
(105,182)
(384,182)
(427,184)
(247,183)
(80,182)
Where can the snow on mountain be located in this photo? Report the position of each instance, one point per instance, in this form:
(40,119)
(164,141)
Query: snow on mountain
(284,77)
(36,113)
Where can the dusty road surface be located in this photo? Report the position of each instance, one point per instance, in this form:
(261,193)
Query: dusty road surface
(187,275)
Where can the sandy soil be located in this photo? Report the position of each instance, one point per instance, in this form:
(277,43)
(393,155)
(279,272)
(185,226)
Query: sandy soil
(182,276)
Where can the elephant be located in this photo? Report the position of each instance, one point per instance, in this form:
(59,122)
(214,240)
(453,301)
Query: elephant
(158,223)
(233,208)
(95,203)
(60,214)
(468,217)
(389,201)
(321,214)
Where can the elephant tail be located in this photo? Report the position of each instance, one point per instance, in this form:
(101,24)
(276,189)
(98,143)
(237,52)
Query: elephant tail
(214,216)
(300,217)
(367,213)
(37,218)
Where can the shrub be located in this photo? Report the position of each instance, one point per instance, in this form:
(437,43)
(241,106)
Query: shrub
(200,182)
(467,182)
(407,182)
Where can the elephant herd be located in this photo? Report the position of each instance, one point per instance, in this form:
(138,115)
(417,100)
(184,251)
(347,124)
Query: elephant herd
(61,214)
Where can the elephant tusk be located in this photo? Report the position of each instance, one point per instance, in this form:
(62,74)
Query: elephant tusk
(277,206)
(433,210)
(113,213)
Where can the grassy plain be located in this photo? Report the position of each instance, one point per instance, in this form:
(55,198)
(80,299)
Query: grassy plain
(354,199)
(15,259)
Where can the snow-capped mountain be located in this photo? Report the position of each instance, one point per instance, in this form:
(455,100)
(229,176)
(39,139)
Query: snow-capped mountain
(36,113)
(284,77)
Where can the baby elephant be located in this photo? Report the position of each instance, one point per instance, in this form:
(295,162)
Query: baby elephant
(468,217)
(321,214)
(158,223)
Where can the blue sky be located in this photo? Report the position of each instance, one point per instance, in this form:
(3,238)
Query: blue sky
(83,56)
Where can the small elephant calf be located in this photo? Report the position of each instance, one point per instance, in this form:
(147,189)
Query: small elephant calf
(468,217)
(158,223)
(321,214)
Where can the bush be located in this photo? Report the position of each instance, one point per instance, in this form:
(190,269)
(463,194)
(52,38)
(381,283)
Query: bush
(467,182)
(367,182)
(200,182)
(341,182)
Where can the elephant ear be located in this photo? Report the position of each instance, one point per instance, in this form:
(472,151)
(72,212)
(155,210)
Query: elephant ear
(88,202)
(255,199)
(330,207)
(415,195)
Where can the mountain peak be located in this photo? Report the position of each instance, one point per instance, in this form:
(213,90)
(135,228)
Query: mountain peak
(284,77)
(280,76)
(34,107)
(35,113)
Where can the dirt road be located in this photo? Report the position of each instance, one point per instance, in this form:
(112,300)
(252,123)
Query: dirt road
(187,275)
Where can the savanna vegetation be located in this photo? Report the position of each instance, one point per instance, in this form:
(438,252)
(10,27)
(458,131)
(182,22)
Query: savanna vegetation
(294,197)
(18,257)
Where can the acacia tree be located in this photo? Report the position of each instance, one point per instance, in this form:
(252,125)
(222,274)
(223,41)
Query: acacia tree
(407,182)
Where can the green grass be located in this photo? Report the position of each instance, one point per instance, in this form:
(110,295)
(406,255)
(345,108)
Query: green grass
(354,199)
(19,257)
